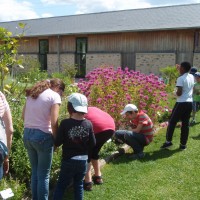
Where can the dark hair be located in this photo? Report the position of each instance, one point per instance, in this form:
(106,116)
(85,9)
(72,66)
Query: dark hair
(70,108)
(41,86)
(56,82)
(131,112)
(186,66)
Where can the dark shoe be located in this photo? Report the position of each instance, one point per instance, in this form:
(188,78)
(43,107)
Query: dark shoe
(118,141)
(137,156)
(182,147)
(97,180)
(87,186)
(121,151)
(193,122)
(166,145)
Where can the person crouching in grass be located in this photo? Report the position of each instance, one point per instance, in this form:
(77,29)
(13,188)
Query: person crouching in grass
(141,133)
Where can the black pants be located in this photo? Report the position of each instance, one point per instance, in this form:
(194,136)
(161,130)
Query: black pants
(101,139)
(181,112)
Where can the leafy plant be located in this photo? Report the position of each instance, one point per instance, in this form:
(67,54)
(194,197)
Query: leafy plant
(17,187)
(8,53)
(169,74)
(31,73)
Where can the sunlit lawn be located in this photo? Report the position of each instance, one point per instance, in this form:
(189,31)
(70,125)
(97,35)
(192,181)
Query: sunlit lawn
(162,174)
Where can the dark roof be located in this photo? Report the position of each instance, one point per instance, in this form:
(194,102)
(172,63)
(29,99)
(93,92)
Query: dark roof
(148,19)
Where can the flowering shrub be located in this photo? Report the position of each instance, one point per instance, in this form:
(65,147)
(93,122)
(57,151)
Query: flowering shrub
(111,90)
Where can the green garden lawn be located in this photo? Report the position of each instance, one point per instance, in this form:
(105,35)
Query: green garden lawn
(163,174)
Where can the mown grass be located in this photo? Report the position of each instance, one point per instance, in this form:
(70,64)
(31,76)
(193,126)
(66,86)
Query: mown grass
(162,174)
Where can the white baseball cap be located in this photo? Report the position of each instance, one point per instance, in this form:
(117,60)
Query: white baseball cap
(197,74)
(129,107)
(79,102)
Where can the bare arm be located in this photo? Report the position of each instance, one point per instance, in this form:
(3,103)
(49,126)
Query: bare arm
(23,112)
(54,118)
(7,118)
(6,165)
(138,128)
(179,91)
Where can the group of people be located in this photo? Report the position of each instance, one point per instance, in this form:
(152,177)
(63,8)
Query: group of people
(83,133)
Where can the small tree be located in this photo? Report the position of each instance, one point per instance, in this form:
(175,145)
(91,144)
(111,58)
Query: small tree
(169,73)
(8,52)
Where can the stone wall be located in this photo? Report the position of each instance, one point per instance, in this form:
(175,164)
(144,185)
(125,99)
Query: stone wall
(53,65)
(66,60)
(94,60)
(145,62)
(153,62)
(196,60)
(31,56)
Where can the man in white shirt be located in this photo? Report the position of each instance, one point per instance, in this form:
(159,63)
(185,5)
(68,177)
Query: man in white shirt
(183,107)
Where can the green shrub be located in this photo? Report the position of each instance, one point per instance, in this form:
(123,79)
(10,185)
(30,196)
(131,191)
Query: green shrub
(107,149)
(170,74)
(31,73)
(18,188)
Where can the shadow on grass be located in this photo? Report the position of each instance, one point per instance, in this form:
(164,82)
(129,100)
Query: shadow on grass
(191,125)
(159,154)
(196,137)
(149,156)
(69,194)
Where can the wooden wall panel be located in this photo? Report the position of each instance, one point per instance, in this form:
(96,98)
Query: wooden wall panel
(142,41)
(66,44)
(28,45)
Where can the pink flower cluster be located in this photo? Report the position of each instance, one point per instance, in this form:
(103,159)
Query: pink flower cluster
(111,89)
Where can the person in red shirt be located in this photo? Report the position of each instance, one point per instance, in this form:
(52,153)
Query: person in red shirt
(141,133)
(104,128)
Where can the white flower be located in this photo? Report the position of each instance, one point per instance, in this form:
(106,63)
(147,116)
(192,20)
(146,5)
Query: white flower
(158,113)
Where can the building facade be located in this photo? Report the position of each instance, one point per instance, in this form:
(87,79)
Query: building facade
(132,42)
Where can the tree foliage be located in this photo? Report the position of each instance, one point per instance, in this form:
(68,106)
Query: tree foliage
(8,53)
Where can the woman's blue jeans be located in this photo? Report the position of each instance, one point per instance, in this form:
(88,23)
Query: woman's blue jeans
(71,170)
(40,151)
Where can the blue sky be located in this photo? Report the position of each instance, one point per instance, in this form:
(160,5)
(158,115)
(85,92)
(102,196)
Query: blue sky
(11,10)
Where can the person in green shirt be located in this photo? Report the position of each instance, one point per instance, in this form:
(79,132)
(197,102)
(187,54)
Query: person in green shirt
(196,97)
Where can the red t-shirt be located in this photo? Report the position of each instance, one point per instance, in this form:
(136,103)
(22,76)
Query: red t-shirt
(147,128)
(101,120)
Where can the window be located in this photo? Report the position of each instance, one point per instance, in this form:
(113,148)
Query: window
(43,51)
(80,57)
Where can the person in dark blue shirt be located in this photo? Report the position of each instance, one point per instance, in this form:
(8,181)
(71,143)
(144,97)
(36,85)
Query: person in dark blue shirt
(76,136)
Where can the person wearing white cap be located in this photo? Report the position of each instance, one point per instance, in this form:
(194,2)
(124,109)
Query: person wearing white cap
(141,133)
(76,136)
